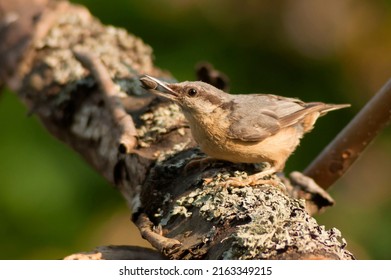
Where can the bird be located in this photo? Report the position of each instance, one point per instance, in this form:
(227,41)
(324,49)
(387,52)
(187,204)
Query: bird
(242,128)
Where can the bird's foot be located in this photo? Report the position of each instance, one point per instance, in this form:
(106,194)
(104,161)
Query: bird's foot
(250,181)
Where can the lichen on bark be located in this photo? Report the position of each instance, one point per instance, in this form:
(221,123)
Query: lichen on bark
(209,219)
(218,221)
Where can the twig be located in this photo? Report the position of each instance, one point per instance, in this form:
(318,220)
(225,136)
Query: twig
(205,72)
(117,252)
(333,162)
(161,243)
(304,187)
(125,122)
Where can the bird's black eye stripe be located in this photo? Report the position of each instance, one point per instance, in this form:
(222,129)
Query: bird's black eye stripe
(192,92)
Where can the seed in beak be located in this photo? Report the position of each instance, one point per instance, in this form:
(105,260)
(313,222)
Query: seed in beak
(148,83)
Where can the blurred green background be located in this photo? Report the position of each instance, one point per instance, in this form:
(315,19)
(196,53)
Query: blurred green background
(53,204)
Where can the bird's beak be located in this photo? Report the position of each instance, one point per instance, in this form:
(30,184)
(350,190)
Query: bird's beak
(158,87)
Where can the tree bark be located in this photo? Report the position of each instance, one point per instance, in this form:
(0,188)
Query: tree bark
(81,79)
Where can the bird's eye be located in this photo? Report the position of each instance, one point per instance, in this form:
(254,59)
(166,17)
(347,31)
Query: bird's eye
(192,92)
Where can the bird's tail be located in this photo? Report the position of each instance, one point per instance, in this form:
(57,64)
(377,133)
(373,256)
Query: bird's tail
(309,119)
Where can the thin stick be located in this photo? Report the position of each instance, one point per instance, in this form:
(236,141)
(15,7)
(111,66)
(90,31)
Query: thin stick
(128,139)
(158,241)
(333,162)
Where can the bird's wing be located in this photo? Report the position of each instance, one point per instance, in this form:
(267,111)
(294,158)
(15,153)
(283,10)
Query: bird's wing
(256,117)
(250,128)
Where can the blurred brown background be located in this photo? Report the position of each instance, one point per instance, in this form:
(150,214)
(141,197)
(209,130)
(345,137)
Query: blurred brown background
(338,51)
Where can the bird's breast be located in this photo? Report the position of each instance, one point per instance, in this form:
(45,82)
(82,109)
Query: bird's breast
(210,132)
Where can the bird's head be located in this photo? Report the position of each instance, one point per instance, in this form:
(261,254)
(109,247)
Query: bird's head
(192,97)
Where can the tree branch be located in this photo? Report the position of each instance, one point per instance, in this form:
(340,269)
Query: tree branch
(335,160)
(128,140)
(84,105)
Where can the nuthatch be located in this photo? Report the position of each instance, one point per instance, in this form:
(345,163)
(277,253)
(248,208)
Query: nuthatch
(248,128)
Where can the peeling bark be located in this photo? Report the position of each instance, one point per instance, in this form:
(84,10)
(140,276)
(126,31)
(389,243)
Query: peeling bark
(180,213)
